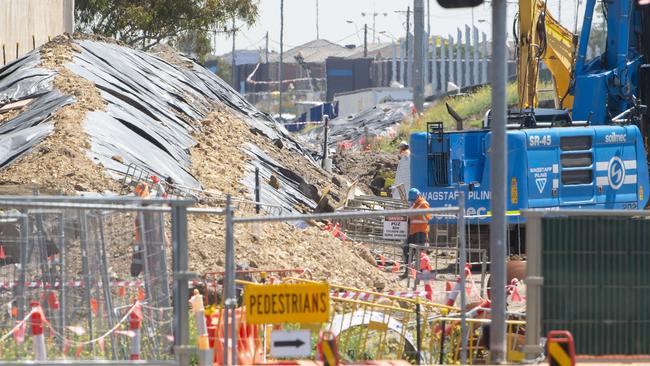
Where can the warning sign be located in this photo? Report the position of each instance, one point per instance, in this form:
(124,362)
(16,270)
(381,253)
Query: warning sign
(395,227)
(299,303)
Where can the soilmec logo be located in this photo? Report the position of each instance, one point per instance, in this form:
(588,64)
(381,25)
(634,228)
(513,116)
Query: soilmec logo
(613,138)
(616,172)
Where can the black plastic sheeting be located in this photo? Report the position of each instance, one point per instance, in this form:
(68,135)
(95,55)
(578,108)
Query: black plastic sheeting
(153,108)
(378,119)
(21,80)
(292,191)
(157,104)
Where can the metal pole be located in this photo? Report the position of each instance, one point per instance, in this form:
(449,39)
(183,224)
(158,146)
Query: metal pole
(534,282)
(475,78)
(468,41)
(459,65)
(257,190)
(317,32)
(418,331)
(443,66)
(20,287)
(62,278)
(230,296)
(106,283)
(498,172)
(85,267)
(326,121)
(434,65)
(365,40)
(484,64)
(266,52)
(418,48)
(233,65)
(407,81)
(181,291)
(402,73)
(280,74)
(393,77)
(463,260)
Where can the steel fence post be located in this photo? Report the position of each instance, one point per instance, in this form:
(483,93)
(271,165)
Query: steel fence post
(181,291)
(62,255)
(257,190)
(463,261)
(83,239)
(229,284)
(534,282)
(20,287)
(418,330)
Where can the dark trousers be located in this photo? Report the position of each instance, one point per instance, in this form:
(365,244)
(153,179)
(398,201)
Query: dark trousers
(416,238)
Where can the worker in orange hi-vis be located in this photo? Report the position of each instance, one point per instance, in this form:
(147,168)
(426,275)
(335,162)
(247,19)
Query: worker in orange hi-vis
(418,225)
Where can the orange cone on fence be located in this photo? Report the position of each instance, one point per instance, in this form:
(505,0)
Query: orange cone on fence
(38,339)
(448,286)
(412,272)
(135,322)
(205,352)
(2,252)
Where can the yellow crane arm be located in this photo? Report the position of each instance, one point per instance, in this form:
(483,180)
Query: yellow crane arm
(542,38)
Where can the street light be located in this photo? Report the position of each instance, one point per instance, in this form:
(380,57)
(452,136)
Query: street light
(355,28)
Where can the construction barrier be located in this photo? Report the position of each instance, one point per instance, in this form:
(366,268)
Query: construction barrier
(366,326)
(560,348)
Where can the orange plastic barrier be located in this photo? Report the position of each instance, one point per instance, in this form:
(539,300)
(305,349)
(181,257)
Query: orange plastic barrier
(249,343)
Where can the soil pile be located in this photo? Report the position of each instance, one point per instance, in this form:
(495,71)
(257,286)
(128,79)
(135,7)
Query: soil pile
(373,170)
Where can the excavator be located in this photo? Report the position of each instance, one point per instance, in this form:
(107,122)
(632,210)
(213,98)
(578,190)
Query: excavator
(541,38)
(593,157)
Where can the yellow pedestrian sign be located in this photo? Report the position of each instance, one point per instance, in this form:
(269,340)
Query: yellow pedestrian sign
(297,303)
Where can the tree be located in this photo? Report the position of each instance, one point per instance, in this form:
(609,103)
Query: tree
(145,23)
(195,43)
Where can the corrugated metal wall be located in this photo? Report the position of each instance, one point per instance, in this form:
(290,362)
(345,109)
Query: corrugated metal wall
(597,283)
(20,20)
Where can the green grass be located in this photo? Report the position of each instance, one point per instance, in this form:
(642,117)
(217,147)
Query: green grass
(471,107)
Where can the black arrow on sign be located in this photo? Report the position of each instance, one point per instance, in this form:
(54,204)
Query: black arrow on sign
(297,343)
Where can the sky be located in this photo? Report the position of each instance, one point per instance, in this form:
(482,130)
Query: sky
(300,21)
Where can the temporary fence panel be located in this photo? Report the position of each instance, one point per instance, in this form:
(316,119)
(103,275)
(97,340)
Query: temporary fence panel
(597,282)
(101,274)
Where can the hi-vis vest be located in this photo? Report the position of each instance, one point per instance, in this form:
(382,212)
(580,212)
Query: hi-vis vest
(419,223)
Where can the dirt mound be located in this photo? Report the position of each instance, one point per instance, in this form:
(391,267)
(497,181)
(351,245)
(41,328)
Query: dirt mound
(228,140)
(372,169)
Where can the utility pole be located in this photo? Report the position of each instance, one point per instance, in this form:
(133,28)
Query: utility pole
(280,76)
(408,30)
(559,11)
(418,52)
(233,65)
(429,19)
(317,33)
(374,23)
(365,40)
(499,181)
(266,52)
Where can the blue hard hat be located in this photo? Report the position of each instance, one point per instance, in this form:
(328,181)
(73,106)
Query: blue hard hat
(413,194)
